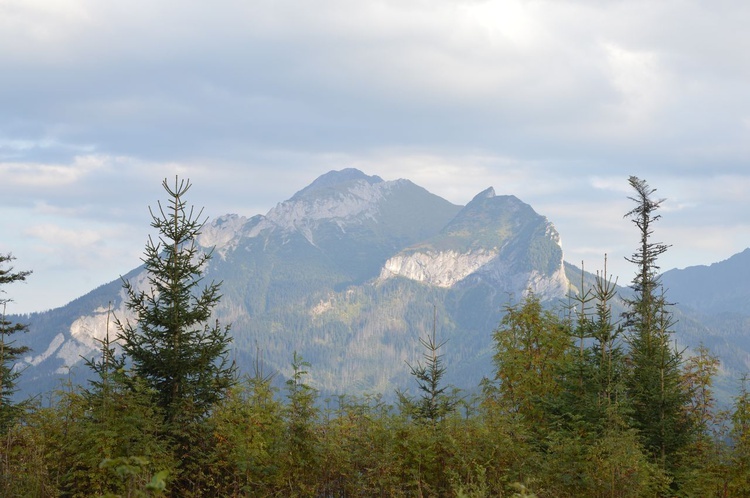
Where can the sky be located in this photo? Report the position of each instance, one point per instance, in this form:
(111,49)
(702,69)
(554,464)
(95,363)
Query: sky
(556,102)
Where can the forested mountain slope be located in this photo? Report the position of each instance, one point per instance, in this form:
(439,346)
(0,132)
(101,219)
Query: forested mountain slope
(352,270)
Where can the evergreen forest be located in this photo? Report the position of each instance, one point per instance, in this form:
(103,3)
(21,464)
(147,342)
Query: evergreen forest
(582,402)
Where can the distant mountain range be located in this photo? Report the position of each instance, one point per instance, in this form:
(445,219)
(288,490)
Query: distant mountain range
(352,270)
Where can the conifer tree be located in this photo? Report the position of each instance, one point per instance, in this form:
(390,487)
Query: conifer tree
(114,443)
(250,431)
(594,387)
(739,479)
(654,380)
(592,451)
(431,445)
(171,343)
(9,353)
(704,462)
(531,346)
(302,452)
(434,402)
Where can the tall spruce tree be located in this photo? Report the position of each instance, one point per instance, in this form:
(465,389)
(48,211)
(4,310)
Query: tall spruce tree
(591,449)
(171,343)
(654,380)
(9,353)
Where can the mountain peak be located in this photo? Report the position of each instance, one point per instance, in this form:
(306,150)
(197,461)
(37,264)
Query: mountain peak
(485,194)
(346,197)
(334,178)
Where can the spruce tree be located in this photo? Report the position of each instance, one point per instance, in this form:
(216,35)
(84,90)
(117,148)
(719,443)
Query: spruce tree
(739,477)
(301,464)
(591,449)
(596,384)
(435,401)
(431,411)
(171,343)
(114,443)
(532,344)
(9,353)
(654,380)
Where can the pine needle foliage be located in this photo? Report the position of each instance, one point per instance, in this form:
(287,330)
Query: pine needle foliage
(654,381)
(739,482)
(593,378)
(9,353)
(531,346)
(436,399)
(171,343)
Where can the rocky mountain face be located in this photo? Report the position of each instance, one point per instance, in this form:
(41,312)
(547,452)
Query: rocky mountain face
(349,272)
(496,239)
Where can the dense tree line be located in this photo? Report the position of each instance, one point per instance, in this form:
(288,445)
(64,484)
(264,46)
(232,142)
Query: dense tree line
(580,403)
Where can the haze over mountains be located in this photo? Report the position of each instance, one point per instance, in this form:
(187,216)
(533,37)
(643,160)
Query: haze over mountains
(352,270)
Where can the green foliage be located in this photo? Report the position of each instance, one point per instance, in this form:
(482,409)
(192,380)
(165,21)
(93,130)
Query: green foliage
(9,353)
(24,457)
(58,450)
(531,346)
(129,470)
(171,344)
(104,440)
(589,448)
(521,491)
(434,403)
(249,429)
(654,381)
(739,475)
(592,381)
(566,414)
(302,450)
(258,444)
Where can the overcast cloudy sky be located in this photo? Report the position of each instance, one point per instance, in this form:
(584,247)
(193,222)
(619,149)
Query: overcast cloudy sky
(556,102)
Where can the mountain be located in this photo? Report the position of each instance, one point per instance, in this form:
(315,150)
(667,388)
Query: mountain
(498,241)
(350,272)
(714,310)
(722,287)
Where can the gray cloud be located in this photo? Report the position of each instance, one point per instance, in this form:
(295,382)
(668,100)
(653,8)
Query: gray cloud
(556,102)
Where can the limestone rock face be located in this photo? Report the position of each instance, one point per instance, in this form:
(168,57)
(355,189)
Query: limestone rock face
(223,233)
(497,241)
(359,202)
(442,269)
(447,269)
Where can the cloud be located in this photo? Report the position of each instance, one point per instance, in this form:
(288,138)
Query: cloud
(53,236)
(45,209)
(34,175)
(640,80)
(556,102)
(527,80)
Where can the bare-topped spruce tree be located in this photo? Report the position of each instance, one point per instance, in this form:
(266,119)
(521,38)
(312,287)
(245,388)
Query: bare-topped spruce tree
(172,344)
(654,381)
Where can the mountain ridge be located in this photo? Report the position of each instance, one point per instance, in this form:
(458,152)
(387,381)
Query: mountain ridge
(320,274)
(725,284)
